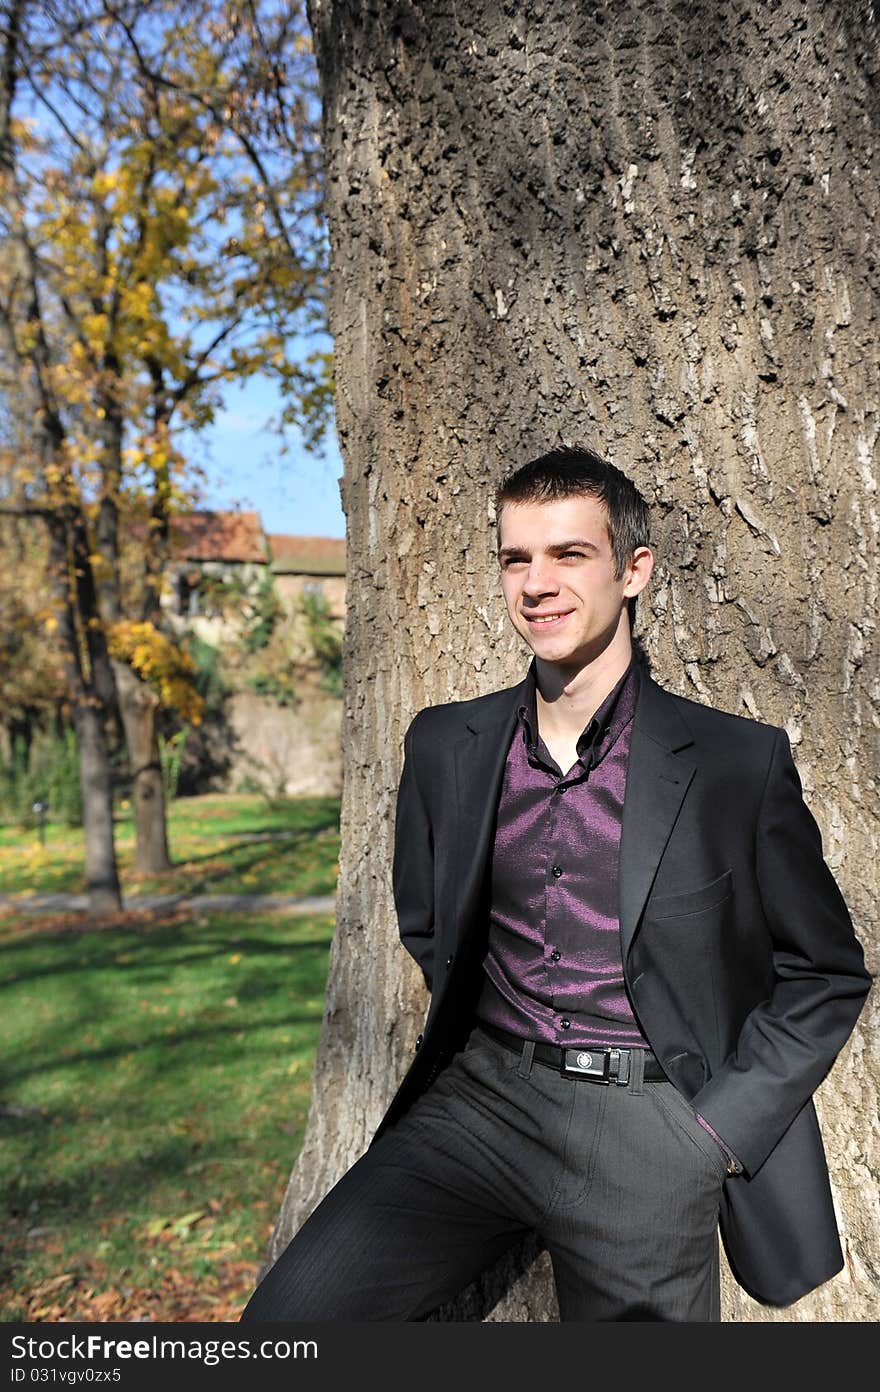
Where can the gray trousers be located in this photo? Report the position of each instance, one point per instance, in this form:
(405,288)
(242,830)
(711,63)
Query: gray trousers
(621,1184)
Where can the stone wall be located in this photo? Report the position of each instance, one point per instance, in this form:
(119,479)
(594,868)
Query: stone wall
(287,749)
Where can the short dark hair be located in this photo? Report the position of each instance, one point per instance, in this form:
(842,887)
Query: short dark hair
(573,471)
(576,471)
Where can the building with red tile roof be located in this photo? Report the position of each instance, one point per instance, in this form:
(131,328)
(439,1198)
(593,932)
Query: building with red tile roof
(221,565)
(204,535)
(306,555)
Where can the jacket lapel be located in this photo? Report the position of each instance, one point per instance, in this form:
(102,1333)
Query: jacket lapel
(479,758)
(658,776)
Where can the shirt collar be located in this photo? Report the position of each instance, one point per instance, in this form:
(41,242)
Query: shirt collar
(607,724)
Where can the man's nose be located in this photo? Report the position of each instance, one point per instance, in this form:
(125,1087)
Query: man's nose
(540,579)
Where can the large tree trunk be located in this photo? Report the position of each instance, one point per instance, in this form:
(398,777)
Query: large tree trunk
(649,228)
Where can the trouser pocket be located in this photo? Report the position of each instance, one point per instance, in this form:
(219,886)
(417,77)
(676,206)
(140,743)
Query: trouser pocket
(682,1116)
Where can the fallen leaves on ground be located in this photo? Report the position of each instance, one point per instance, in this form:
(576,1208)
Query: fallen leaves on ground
(178,1297)
(79,921)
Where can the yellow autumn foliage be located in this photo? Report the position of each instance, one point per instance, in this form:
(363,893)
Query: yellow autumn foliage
(166,667)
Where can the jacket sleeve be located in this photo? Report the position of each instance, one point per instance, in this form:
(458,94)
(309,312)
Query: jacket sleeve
(413,874)
(789,1041)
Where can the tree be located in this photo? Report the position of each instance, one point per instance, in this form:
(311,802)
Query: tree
(649,228)
(161,194)
(87,672)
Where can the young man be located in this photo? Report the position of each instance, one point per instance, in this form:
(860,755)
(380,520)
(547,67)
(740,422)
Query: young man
(641,969)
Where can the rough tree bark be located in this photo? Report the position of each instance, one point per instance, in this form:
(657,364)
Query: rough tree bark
(647,226)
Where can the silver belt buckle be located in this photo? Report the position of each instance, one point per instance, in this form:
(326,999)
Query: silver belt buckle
(604,1065)
(587,1063)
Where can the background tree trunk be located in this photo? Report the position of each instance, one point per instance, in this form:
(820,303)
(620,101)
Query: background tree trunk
(137,703)
(102,880)
(139,710)
(90,691)
(647,227)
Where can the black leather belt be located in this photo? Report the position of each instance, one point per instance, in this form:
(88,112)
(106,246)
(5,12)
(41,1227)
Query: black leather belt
(596,1065)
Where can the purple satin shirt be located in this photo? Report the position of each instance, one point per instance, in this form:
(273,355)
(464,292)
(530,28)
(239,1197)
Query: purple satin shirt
(553,968)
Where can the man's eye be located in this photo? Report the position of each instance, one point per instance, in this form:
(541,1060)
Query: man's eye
(578,554)
(512,561)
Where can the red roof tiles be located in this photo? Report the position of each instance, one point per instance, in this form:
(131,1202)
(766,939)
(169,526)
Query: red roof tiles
(306,555)
(219,536)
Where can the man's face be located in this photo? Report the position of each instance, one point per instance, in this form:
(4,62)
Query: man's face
(557,576)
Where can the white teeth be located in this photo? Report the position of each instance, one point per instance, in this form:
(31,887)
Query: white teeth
(545,618)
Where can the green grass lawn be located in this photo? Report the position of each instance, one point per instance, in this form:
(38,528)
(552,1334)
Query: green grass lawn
(155,1082)
(155,1085)
(219,844)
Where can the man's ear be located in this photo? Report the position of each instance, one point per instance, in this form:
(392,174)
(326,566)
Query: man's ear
(639,571)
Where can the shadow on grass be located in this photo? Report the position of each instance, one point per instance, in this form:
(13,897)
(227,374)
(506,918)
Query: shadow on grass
(125,1189)
(271,837)
(246,852)
(144,1046)
(138,952)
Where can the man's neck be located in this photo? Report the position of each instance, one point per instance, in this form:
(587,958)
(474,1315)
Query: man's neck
(568,698)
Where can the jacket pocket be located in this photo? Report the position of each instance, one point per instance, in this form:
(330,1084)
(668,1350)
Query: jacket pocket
(692,901)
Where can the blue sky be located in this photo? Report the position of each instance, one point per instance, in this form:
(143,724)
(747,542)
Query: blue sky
(297,492)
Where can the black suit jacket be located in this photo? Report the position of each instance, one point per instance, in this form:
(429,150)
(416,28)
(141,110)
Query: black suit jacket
(739,956)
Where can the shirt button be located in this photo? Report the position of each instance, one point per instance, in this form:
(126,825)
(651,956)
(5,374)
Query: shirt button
(449,961)
(555,955)
(566,1024)
(556,871)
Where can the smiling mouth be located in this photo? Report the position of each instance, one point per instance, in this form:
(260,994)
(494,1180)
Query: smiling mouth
(545,620)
